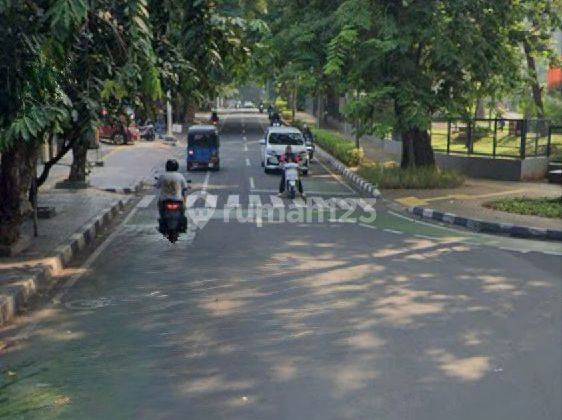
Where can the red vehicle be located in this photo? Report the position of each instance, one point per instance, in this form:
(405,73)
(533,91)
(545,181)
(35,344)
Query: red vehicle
(118,132)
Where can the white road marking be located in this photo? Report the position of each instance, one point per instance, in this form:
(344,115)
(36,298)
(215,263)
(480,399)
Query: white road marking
(245,138)
(396,232)
(254,201)
(206,182)
(233,201)
(252,183)
(336,177)
(298,203)
(276,201)
(368,226)
(248,162)
(402,216)
(145,202)
(245,147)
(367,204)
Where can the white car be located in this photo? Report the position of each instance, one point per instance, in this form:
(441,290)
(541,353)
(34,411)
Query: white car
(249,104)
(275,143)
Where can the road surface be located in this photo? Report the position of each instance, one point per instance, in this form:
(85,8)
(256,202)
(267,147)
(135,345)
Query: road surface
(265,311)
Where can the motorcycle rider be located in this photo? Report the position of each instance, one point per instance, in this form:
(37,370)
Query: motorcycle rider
(309,138)
(307,133)
(172,186)
(214,117)
(275,117)
(287,157)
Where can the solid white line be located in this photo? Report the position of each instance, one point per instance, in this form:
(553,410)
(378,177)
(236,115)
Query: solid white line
(368,226)
(248,162)
(252,183)
(145,202)
(336,177)
(396,232)
(402,216)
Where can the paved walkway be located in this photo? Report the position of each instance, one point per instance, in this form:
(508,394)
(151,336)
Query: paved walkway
(124,167)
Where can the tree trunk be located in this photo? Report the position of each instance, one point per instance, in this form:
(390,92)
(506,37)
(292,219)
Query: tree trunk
(416,149)
(79,160)
(535,85)
(320,109)
(16,171)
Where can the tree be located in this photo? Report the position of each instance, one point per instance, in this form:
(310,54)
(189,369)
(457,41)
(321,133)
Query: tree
(412,60)
(61,59)
(32,103)
(293,52)
(537,22)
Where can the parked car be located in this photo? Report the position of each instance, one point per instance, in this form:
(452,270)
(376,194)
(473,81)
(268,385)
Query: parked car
(113,130)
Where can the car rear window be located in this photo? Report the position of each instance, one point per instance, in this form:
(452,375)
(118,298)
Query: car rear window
(294,139)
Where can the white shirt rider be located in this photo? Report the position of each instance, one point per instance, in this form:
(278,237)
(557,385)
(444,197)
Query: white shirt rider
(172,186)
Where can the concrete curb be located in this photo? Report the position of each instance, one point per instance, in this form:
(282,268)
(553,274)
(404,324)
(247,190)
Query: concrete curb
(349,175)
(487,226)
(127,190)
(26,284)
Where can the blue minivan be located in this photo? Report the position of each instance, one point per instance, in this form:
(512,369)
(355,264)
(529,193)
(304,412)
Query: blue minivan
(203,147)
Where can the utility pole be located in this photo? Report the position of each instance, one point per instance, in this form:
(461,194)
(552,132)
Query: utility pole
(169,120)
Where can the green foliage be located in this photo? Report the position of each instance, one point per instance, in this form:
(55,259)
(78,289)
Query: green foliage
(414,59)
(545,207)
(340,148)
(553,109)
(394,177)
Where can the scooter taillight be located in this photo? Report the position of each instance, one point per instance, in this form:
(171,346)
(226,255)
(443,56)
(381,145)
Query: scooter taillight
(173,206)
(190,152)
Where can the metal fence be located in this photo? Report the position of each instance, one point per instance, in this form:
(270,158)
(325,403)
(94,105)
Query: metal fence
(500,137)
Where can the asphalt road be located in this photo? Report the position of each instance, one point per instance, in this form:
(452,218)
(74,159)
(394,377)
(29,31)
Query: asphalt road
(265,311)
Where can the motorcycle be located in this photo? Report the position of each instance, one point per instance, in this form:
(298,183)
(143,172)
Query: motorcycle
(173,220)
(310,148)
(148,132)
(291,178)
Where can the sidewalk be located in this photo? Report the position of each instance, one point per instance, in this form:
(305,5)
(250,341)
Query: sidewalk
(466,201)
(81,215)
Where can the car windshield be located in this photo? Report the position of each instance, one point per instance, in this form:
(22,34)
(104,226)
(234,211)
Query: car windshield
(202,139)
(293,139)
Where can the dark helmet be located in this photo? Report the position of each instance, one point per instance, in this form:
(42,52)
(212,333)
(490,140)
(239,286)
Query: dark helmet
(172,165)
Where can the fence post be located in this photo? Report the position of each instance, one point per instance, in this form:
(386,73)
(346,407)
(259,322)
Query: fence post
(495,139)
(448,136)
(537,136)
(523,144)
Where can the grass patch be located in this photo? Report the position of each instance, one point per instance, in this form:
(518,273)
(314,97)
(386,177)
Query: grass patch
(339,147)
(393,177)
(545,207)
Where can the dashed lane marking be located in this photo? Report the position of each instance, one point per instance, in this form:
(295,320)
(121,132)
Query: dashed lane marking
(252,183)
(248,162)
